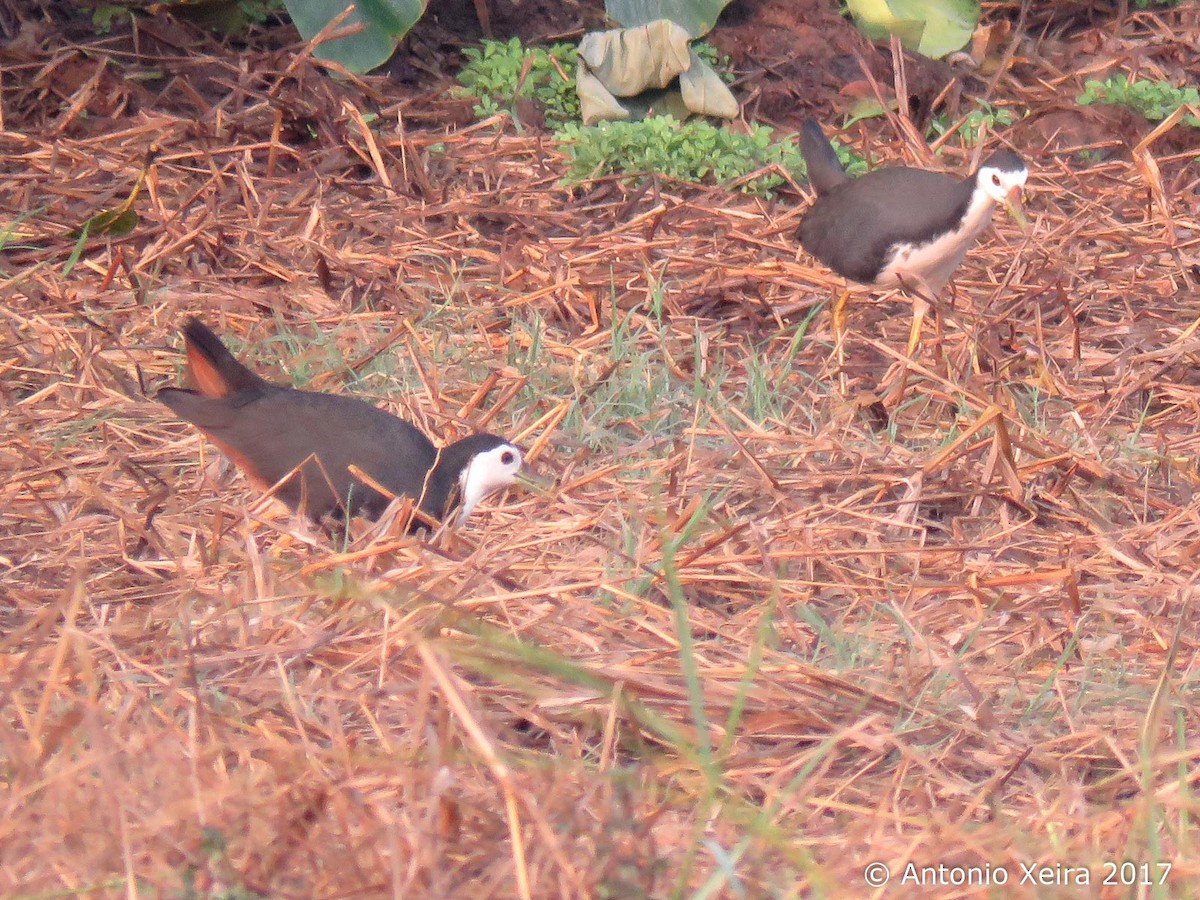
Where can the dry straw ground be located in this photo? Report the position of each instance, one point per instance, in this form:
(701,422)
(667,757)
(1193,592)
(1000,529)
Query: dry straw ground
(755,637)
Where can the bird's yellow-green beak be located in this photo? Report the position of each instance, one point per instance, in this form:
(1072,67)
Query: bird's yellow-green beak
(1016,208)
(535,484)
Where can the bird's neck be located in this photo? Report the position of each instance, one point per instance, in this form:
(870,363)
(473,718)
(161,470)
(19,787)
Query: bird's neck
(452,461)
(443,484)
(979,212)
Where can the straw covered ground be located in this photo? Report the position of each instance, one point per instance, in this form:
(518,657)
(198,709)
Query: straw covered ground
(757,630)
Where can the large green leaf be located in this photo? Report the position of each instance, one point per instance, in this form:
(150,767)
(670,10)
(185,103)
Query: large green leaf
(932,28)
(697,16)
(385,23)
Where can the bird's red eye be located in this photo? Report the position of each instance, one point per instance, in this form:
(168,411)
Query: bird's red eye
(507,457)
(995,179)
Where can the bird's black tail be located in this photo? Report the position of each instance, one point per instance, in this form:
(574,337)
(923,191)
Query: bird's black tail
(825,170)
(212,369)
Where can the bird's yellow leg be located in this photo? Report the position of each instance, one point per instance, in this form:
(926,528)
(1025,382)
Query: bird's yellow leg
(839,324)
(920,310)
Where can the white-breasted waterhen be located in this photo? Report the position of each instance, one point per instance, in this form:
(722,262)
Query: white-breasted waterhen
(899,226)
(313,440)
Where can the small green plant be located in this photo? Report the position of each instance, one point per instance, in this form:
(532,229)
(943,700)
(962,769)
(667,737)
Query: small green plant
(715,58)
(498,72)
(493,74)
(215,851)
(689,151)
(1153,99)
(224,18)
(968,132)
(106,15)
(258,11)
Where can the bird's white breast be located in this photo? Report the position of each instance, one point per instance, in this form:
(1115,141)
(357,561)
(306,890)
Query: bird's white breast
(934,261)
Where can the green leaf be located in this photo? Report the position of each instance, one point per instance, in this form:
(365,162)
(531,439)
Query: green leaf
(697,16)
(875,19)
(866,108)
(221,16)
(1153,99)
(120,220)
(117,222)
(385,23)
(933,28)
(104,15)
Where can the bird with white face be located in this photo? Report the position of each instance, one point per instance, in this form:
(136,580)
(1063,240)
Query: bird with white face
(487,472)
(900,226)
(926,257)
(327,453)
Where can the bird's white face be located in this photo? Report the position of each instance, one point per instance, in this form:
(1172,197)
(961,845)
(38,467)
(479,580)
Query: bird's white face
(1003,185)
(488,472)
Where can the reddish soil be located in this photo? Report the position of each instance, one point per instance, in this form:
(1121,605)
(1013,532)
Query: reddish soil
(792,60)
(797,59)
